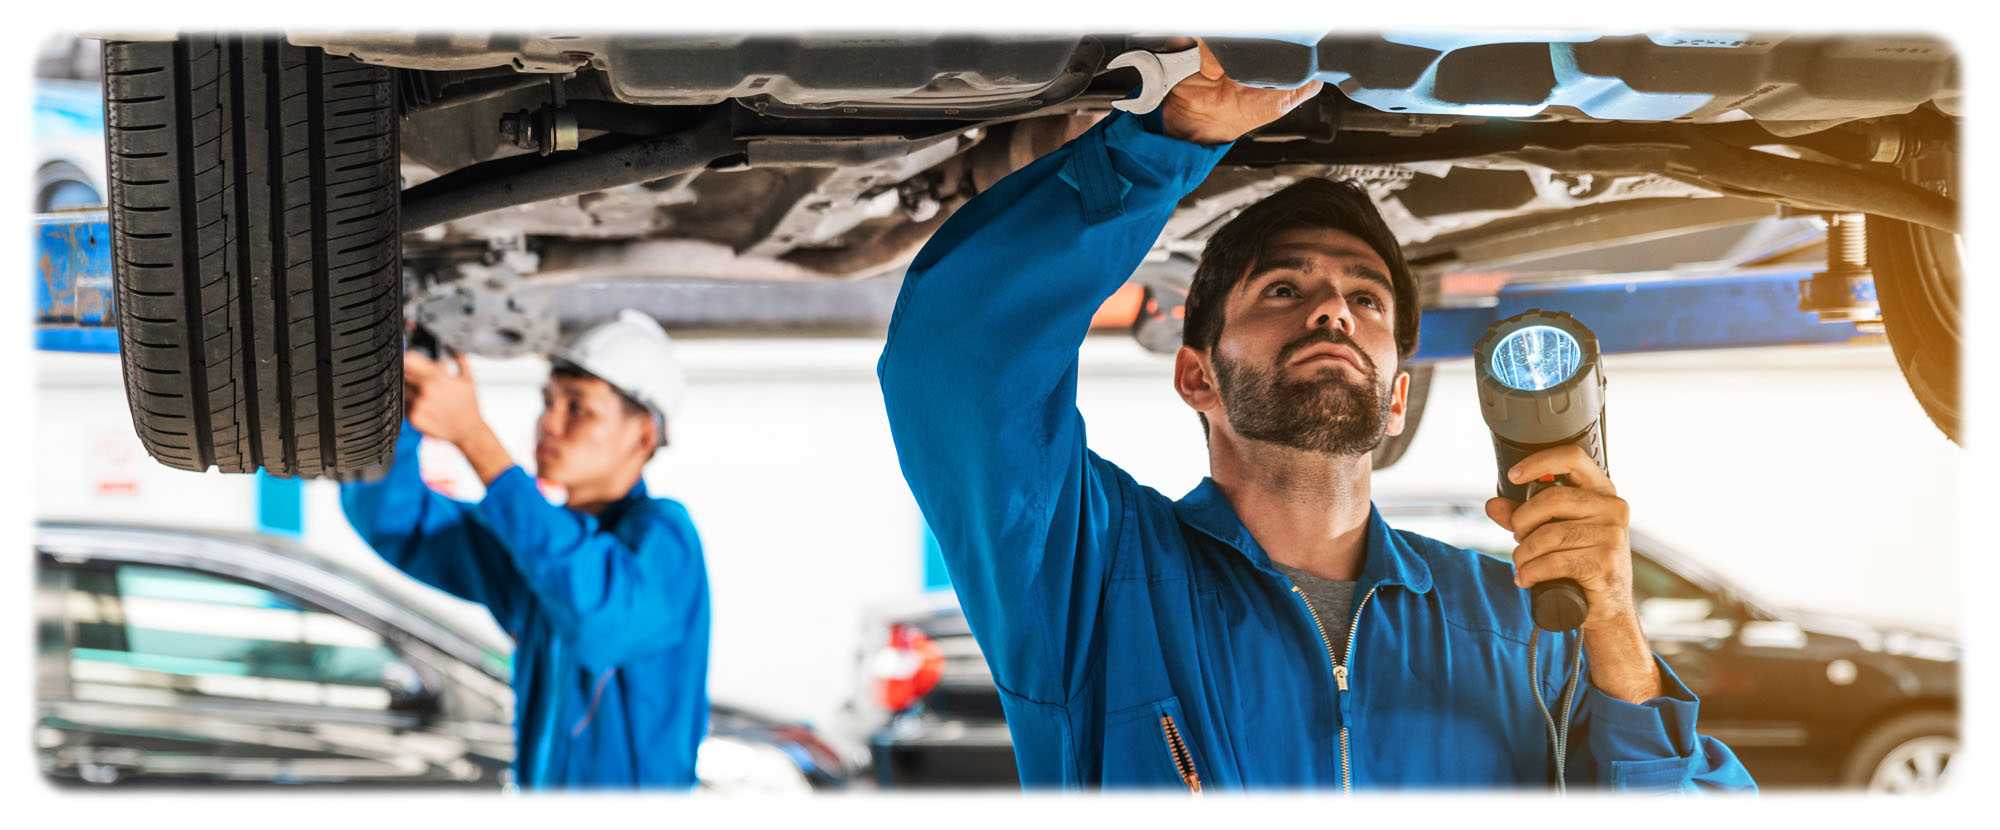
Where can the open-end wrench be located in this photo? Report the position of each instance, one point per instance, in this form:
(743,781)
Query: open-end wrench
(1158,72)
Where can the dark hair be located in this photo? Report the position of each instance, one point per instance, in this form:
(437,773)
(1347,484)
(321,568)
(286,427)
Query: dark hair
(1234,251)
(631,407)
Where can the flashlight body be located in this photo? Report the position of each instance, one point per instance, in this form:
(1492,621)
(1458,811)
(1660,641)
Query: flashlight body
(1508,453)
(1555,604)
(1546,392)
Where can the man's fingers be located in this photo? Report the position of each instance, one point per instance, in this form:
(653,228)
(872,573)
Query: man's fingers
(418,369)
(1501,511)
(464,365)
(1210,67)
(1558,504)
(1587,570)
(1568,460)
(1293,98)
(1564,537)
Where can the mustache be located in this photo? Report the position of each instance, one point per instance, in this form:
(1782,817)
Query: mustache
(1317,336)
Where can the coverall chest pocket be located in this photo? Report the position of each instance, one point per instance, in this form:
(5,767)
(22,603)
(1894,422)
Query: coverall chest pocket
(1148,746)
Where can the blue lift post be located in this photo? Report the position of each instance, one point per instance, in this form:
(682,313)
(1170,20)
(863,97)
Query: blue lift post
(73,306)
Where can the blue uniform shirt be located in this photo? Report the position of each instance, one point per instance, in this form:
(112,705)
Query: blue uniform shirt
(609,616)
(1140,641)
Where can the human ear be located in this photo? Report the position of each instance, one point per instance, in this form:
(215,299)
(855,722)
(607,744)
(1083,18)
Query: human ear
(648,437)
(1194,381)
(1399,403)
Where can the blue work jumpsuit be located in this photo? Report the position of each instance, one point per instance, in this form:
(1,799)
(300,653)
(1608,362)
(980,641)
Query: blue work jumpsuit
(609,616)
(1140,641)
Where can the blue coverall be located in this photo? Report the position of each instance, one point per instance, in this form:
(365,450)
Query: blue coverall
(609,616)
(1139,641)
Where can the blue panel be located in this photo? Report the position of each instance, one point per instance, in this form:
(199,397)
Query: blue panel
(1447,333)
(280,505)
(72,266)
(73,339)
(1738,311)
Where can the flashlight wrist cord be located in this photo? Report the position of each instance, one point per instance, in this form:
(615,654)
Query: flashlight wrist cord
(1558,734)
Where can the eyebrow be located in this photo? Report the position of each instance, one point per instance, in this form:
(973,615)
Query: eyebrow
(1289,257)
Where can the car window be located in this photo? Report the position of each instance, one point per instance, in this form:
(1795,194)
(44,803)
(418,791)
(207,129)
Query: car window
(141,631)
(1650,581)
(1665,599)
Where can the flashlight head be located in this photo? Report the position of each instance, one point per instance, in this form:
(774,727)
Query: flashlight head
(1536,357)
(1540,382)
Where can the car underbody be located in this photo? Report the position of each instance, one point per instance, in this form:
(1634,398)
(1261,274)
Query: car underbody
(842,153)
(535,161)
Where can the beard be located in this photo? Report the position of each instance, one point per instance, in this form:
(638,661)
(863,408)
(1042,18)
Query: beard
(1326,413)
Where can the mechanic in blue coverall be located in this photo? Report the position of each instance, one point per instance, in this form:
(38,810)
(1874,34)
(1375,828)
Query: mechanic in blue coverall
(1139,641)
(606,597)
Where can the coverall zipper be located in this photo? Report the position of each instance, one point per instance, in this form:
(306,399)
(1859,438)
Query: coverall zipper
(1183,760)
(1339,676)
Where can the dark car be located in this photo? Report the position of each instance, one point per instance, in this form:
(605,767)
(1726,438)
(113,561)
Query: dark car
(1806,701)
(174,656)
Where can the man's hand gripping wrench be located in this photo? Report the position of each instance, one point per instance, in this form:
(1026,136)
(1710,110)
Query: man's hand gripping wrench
(1158,73)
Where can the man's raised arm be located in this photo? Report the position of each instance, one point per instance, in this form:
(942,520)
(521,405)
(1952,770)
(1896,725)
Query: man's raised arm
(979,375)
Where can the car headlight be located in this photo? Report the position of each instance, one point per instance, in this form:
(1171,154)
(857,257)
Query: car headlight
(733,766)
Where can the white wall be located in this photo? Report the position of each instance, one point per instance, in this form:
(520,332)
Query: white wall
(1808,474)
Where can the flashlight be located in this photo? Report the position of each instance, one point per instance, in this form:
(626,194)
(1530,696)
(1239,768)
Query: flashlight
(1541,386)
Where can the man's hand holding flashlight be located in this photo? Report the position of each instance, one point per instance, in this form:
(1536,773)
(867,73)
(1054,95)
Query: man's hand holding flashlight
(1579,532)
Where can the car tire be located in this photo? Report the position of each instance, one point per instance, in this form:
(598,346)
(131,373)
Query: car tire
(256,256)
(1907,753)
(1917,277)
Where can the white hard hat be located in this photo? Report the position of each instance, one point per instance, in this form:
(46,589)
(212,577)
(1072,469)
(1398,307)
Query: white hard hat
(633,354)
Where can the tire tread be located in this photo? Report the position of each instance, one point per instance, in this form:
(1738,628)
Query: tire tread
(231,160)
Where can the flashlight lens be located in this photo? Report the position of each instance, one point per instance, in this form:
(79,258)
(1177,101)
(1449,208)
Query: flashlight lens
(1536,357)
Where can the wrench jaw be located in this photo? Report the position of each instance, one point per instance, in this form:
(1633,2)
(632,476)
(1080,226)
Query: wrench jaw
(1151,89)
(1158,73)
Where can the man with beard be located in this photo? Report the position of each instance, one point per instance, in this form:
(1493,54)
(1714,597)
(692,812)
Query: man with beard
(1268,629)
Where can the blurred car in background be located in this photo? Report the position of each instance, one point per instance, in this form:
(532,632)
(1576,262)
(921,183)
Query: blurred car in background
(1805,700)
(167,655)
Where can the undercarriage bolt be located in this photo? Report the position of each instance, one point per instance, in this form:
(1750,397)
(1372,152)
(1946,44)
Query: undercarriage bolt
(519,129)
(1845,291)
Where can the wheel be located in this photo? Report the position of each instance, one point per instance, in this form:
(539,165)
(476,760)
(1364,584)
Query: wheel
(1918,271)
(1907,753)
(256,260)
(1917,277)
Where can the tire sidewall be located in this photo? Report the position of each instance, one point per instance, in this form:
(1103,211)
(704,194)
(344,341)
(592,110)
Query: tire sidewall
(1884,739)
